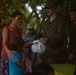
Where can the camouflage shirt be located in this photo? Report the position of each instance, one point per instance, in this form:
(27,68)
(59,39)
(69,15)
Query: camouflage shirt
(55,45)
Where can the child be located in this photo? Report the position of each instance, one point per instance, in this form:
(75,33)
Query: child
(17,59)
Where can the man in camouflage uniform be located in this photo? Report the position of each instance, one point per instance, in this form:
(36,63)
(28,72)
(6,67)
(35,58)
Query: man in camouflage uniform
(55,33)
(72,39)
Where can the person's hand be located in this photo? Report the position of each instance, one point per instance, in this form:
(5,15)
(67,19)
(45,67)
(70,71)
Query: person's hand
(30,43)
(43,40)
(9,53)
(70,57)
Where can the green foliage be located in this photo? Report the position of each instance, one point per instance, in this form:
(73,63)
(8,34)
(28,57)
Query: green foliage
(36,18)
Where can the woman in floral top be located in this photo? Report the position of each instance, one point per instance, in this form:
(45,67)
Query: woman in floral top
(9,33)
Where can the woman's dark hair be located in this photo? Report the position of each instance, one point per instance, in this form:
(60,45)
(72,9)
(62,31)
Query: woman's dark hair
(16,43)
(42,69)
(15,13)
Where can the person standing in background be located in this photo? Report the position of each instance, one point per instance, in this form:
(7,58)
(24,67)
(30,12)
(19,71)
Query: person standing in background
(71,58)
(54,30)
(28,39)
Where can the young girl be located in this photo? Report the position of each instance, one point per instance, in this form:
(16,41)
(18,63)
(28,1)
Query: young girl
(17,59)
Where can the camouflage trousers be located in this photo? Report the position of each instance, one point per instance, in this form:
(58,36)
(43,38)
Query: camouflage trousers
(54,55)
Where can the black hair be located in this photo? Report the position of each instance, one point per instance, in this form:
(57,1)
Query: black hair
(31,29)
(15,13)
(42,69)
(16,43)
(73,10)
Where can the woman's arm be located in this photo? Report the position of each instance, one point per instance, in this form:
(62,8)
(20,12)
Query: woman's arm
(5,41)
